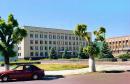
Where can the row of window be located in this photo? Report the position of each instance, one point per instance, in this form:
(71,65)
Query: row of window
(119,42)
(54,37)
(119,46)
(55,42)
(49,48)
(37,54)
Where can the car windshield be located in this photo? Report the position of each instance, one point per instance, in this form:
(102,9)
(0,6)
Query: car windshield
(18,68)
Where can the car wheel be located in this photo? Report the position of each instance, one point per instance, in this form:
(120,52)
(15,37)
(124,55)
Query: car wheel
(35,77)
(5,78)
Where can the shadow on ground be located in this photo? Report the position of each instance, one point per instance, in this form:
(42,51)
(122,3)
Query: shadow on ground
(47,77)
(52,77)
(113,71)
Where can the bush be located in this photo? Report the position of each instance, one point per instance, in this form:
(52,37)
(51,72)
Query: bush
(124,56)
(52,54)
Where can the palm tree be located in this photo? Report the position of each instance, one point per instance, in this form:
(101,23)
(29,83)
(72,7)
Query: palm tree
(100,34)
(81,31)
(10,35)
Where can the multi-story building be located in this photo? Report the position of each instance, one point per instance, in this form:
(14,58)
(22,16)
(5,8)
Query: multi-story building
(40,40)
(119,45)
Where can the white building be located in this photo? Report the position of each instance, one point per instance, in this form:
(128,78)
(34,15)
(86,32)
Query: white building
(40,40)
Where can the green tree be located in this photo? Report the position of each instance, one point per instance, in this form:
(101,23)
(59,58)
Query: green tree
(10,35)
(52,54)
(81,31)
(105,51)
(81,53)
(100,34)
(65,54)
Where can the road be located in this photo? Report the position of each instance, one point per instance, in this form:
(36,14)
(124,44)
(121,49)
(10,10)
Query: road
(89,78)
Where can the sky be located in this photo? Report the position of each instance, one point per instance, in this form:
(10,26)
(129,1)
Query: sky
(114,15)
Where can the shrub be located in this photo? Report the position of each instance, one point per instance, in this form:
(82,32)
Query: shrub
(124,56)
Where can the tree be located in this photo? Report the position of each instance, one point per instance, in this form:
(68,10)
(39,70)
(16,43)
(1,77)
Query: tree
(81,31)
(52,54)
(100,34)
(65,54)
(105,51)
(81,53)
(10,35)
(93,51)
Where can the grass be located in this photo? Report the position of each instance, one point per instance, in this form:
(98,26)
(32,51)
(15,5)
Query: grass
(55,67)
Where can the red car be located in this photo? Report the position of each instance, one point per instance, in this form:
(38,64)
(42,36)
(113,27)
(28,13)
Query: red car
(22,72)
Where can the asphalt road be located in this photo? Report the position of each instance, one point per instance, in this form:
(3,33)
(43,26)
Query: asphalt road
(89,78)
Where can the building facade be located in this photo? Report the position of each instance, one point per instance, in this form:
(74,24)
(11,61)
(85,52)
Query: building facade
(119,45)
(39,41)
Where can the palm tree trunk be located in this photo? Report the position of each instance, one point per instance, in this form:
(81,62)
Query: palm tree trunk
(6,60)
(92,67)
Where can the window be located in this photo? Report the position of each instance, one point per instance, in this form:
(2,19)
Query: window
(41,35)
(36,35)
(62,42)
(36,41)
(62,37)
(76,38)
(31,35)
(36,54)
(49,48)
(70,38)
(19,54)
(50,36)
(45,47)
(50,42)
(41,41)
(45,42)
(54,36)
(19,48)
(31,54)
(41,47)
(45,36)
(58,42)
(31,41)
(58,36)
(36,47)
(69,43)
(31,47)
(46,54)
(73,38)
(78,43)
(66,38)
(54,42)
(66,43)
(41,53)
(74,43)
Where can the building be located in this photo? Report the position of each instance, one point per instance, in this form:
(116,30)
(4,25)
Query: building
(119,45)
(40,40)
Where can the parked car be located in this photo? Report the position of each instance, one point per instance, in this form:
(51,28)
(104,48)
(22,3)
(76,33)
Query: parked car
(26,71)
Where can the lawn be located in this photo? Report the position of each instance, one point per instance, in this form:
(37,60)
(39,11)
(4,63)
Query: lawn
(55,67)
